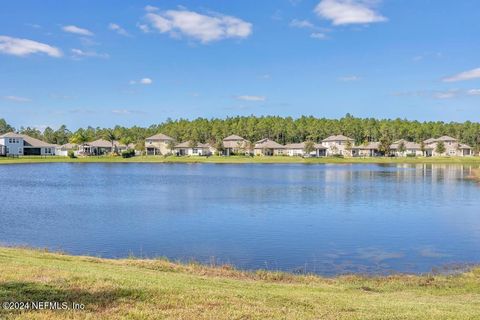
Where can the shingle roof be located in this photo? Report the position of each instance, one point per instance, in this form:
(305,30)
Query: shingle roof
(186,144)
(301,145)
(339,137)
(464,146)
(408,145)
(233,137)
(269,144)
(28,141)
(442,138)
(68,146)
(160,136)
(102,143)
(368,146)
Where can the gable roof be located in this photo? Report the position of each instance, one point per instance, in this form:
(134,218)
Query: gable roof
(28,141)
(408,145)
(442,138)
(368,146)
(233,137)
(186,144)
(102,143)
(301,145)
(160,136)
(339,137)
(269,144)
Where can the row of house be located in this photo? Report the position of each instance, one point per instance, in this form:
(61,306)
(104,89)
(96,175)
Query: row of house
(160,144)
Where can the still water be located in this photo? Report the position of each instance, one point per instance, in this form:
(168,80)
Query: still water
(327,219)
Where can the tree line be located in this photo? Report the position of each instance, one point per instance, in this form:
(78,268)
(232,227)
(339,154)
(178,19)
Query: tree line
(281,129)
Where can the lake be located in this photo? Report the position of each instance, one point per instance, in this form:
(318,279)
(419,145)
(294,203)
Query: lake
(326,219)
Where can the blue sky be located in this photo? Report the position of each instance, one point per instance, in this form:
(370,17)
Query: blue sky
(138,62)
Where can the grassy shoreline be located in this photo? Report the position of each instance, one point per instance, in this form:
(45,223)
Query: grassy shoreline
(129,288)
(242,159)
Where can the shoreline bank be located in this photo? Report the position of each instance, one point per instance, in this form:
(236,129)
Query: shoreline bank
(162,289)
(242,160)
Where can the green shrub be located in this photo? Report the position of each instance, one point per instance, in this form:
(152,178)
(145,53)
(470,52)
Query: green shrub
(71,154)
(128,153)
(411,155)
(338,156)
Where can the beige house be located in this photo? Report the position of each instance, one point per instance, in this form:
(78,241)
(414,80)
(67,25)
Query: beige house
(101,147)
(298,149)
(339,145)
(234,144)
(267,147)
(158,144)
(200,149)
(370,149)
(410,149)
(452,147)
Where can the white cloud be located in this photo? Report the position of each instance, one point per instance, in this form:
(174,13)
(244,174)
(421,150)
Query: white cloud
(462,76)
(118,29)
(301,24)
(343,12)
(24,47)
(474,92)
(151,8)
(124,112)
(202,27)
(77,30)
(145,28)
(448,94)
(349,78)
(251,98)
(78,53)
(144,81)
(318,35)
(17,99)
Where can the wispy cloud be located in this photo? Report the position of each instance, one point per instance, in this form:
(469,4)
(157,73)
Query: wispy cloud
(318,33)
(78,54)
(124,112)
(17,99)
(463,76)
(202,27)
(25,47)
(344,12)
(251,98)
(118,29)
(301,24)
(144,81)
(473,92)
(77,30)
(440,94)
(349,78)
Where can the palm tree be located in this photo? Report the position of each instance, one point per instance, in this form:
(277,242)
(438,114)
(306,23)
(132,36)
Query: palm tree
(110,136)
(79,138)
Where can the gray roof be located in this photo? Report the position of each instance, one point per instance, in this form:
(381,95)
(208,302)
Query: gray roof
(464,146)
(339,137)
(68,146)
(233,137)
(28,141)
(368,146)
(408,145)
(102,143)
(442,138)
(301,146)
(186,144)
(160,136)
(268,144)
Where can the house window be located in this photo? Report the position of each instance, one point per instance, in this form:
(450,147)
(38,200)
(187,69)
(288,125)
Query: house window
(195,151)
(19,150)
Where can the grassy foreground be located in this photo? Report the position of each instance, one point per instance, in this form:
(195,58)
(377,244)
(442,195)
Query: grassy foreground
(153,289)
(240,159)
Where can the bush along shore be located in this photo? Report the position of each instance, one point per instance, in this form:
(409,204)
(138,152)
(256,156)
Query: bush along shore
(151,289)
(239,159)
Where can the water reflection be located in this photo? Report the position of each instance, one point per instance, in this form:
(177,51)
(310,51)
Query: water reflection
(327,219)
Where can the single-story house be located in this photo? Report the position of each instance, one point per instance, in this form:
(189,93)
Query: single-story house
(369,149)
(101,146)
(298,149)
(410,148)
(64,149)
(158,144)
(234,144)
(200,149)
(339,145)
(16,144)
(267,147)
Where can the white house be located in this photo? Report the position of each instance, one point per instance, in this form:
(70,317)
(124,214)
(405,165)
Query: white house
(158,144)
(298,149)
(267,147)
(15,144)
(338,145)
(370,149)
(200,149)
(452,147)
(409,149)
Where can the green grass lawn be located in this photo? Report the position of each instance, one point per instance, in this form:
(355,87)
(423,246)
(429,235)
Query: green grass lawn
(156,289)
(240,159)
